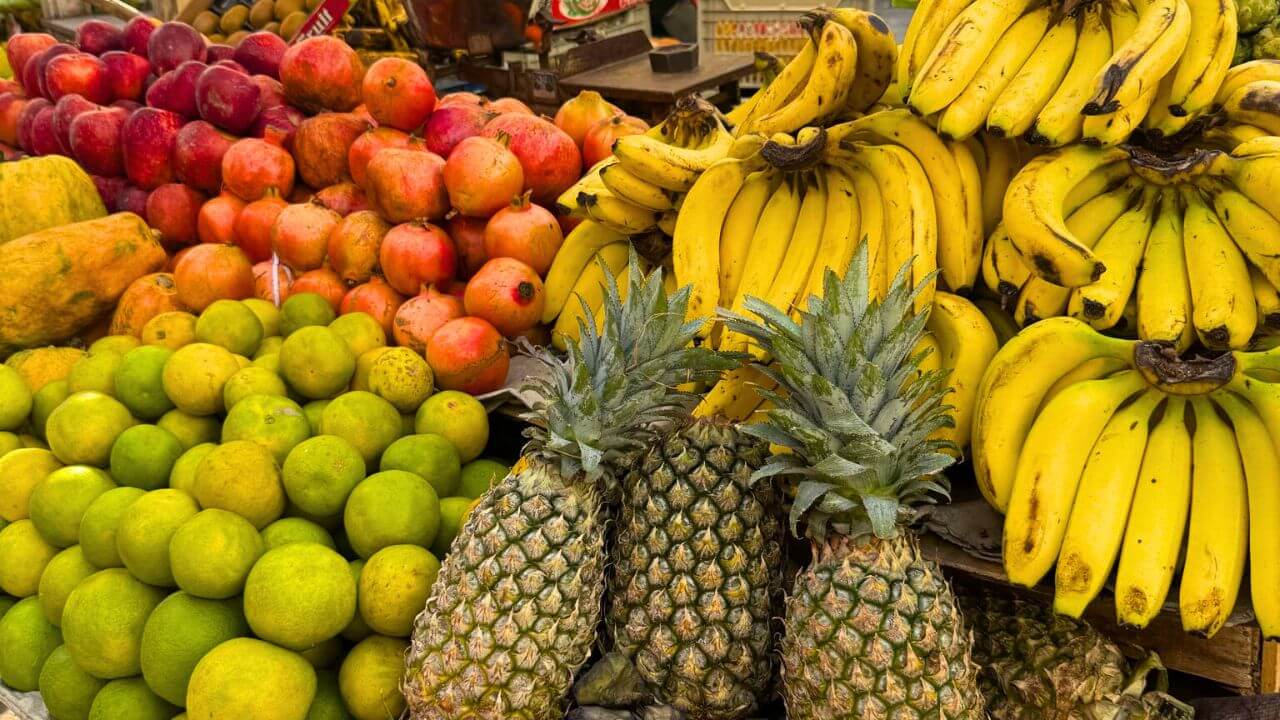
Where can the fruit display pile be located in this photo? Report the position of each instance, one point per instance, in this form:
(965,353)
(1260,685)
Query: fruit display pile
(243,521)
(283,18)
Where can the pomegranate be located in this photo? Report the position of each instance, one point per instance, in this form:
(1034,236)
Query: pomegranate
(174,43)
(212,272)
(227,98)
(505,105)
(27,120)
(137,34)
(343,198)
(11,105)
(95,139)
(126,74)
(132,199)
(175,91)
(526,232)
(148,138)
(33,78)
(252,167)
(482,176)
(451,124)
(278,123)
(581,113)
(550,158)
(301,194)
(219,54)
(270,91)
(322,144)
(398,94)
(197,155)
(145,298)
(253,226)
(216,222)
(44,141)
(322,73)
(176,258)
(456,288)
(24,46)
(468,354)
(272,281)
(421,315)
(468,237)
(354,245)
(98,36)
(300,234)
(598,143)
(507,293)
(368,145)
(68,108)
(417,254)
(78,74)
(109,189)
(406,185)
(323,282)
(375,298)
(172,209)
(462,98)
(260,53)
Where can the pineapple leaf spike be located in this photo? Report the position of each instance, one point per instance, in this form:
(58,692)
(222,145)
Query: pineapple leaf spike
(617,386)
(852,405)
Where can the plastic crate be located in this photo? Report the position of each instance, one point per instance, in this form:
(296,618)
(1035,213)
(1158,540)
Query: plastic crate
(634,18)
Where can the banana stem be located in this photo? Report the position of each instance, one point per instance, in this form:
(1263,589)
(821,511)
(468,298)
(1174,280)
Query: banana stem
(1160,365)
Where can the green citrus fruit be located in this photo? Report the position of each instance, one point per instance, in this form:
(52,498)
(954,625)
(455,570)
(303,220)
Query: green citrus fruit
(360,331)
(316,362)
(191,430)
(67,691)
(480,475)
(103,619)
(139,381)
(15,399)
(276,423)
(391,508)
(181,630)
(295,530)
(453,515)
(183,474)
(328,703)
(327,654)
(212,553)
(370,678)
(365,420)
(270,346)
(299,595)
(28,639)
(22,469)
(63,573)
(143,457)
(144,532)
(95,372)
(24,554)
(59,501)
(402,377)
(248,678)
(242,477)
(171,330)
(98,526)
(129,699)
(43,403)
(431,457)
(357,629)
(394,586)
(230,324)
(267,313)
(83,428)
(271,363)
(364,366)
(320,473)
(314,410)
(460,418)
(194,376)
(118,344)
(9,442)
(304,310)
(253,380)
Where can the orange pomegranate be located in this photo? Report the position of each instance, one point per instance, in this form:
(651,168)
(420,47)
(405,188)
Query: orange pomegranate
(461,98)
(398,93)
(468,354)
(210,272)
(509,105)
(216,222)
(405,185)
(376,298)
(368,145)
(322,73)
(597,144)
(421,315)
(482,175)
(354,245)
(176,258)
(582,112)
(252,167)
(145,298)
(507,293)
(253,226)
(272,281)
(300,234)
(321,144)
(417,254)
(524,231)
(343,198)
(323,282)
(468,238)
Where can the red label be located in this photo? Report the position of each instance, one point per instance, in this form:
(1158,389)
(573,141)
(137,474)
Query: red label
(323,19)
(576,12)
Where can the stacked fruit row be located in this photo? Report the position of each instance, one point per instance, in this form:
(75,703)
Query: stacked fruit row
(191,536)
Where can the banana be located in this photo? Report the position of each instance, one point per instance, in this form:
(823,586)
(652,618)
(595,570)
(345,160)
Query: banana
(588,289)
(576,252)
(1102,302)
(1157,518)
(620,215)
(1101,506)
(971,184)
(1122,19)
(695,245)
(1002,164)
(1104,179)
(1164,290)
(931,359)
(968,113)
(739,225)
(788,84)
(1245,73)
(591,182)
(1013,387)
(871,230)
(960,51)
(1000,319)
(1144,58)
(736,395)
(768,249)
(1257,443)
(1232,135)
(1266,297)
(1060,121)
(626,185)
(877,56)
(1114,128)
(1253,228)
(1218,531)
(1204,64)
(1002,266)
(1257,103)
(826,91)
(840,231)
(1016,107)
(1049,471)
(1033,208)
(967,342)
(930,19)
(793,274)
(669,166)
(667,222)
(1223,310)
(1094,369)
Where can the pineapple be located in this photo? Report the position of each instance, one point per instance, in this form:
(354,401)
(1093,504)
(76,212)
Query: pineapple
(697,571)
(872,630)
(513,613)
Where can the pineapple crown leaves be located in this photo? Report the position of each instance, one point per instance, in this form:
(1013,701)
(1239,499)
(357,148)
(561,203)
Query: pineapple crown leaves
(852,404)
(617,386)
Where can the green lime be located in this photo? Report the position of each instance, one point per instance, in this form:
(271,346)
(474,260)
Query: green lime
(391,508)
(24,555)
(268,314)
(328,704)
(360,331)
(118,344)
(276,423)
(103,621)
(211,554)
(9,442)
(431,457)
(316,362)
(270,346)
(253,380)
(139,381)
(370,678)
(191,430)
(453,515)
(314,410)
(460,418)
(183,475)
(15,399)
(67,691)
(357,629)
(271,363)
(394,586)
(28,639)
(295,530)
(144,532)
(364,366)
(83,428)
(242,477)
(59,501)
(194,376)
(95,372)
(480,475)
(143,456)
(248,678)
(299,595)
(181,630)
(45,401)
(230,324)
(98,526)
(64,572)
(171,330)
(129,699)
(365,420)
(304,310)
(321,472)
(402,377)
(22,470)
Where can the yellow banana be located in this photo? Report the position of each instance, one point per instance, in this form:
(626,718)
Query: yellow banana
(1257,103)
(1050,468)
(871,229)
(667,222)
(1251,226)
(840,231)
(1102,302)
(1060,121)
(971,252)
(1011,391)
(1101,506)
(960,51)
(1094,369)
(768,249)
(739,225)
(576,252)
(1000,319)
(669,166)
(1157,518)
(1245,73)
(1203,66)
(1164,290)
(591,182)
(1223,310)
(1144,58)
(1114,128)
(826,91)
(1002,266)
(1230,136)
(966,342)
(793,274)
(930,19)
(1104,179)
(788,84)
(932,360)
(1122,18)
(620,215)
(1016,107)
(626,185)
(735,396)
(877,56)
(1002,164)
(588,289)
(1218,531)
(1266,297)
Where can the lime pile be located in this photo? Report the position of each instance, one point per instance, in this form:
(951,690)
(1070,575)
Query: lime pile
(226,522)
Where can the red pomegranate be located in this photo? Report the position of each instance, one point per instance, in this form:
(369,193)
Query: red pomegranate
(461,98)
(212,272)
(368,145)
(323,282)
(300,234)
(251,168)
(253,226)
(468,237)
(417,254)
(507,293)
(375,298)
(278,124)
(173,209)
(322,144)
(343,198)
(505,105)
(451,124)
(354,245)
(598,143)
(216,222)
(406,185)
(482,176)
(582,112)
(550,158)
(468,354)
(272,281)
(322,73)
(421,315)
(398,94)
(524,231)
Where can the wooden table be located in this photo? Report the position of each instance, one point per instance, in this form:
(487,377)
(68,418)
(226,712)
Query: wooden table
(631,81)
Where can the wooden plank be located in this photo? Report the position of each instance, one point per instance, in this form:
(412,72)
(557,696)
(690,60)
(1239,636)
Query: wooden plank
(1270,682)
(632,79)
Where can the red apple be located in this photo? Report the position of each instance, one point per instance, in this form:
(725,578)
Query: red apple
(27,119)
(33,71)
(132,199)
(172,209)
(136,34)
(95,141)
(109,189)
(78,73)
(174,43)
(99,36)
(281,121)
(227,98)
(217,52)
(197,155)
(68,108)
(11,105)
(175,91)
(260,53)
(44,141)
(148,138)
(126,74)
(24,46)
(127,105)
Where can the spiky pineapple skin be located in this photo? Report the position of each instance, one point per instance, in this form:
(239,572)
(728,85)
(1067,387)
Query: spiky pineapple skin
(873,632)
(514,609)
(698,571)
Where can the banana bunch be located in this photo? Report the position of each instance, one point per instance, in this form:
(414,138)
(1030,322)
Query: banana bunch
(1059,72)
(1165,459)
(575,280)
(845,66)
